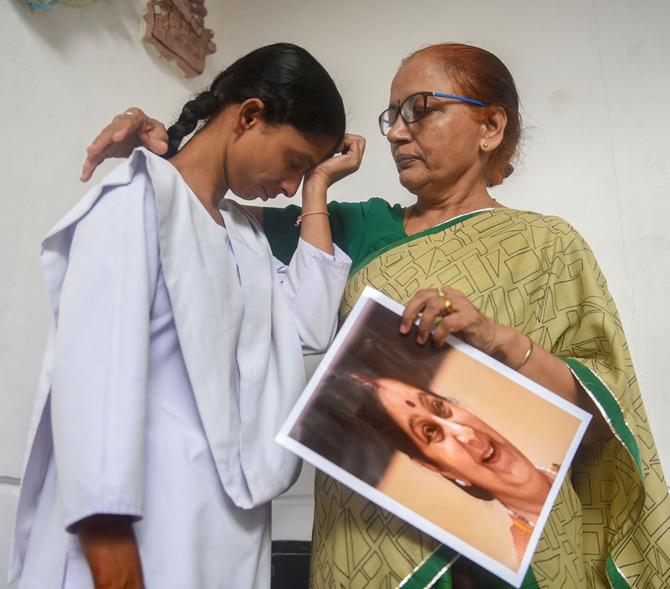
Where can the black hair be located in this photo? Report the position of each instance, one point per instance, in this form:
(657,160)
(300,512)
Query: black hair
(347,425)
(350,427)
(294,87)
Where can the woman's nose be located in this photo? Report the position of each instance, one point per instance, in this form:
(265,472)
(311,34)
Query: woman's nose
(463,433)
(290,187)
(399,132)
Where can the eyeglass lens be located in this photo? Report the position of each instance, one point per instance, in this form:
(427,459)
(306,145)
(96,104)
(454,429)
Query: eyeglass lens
(411,110)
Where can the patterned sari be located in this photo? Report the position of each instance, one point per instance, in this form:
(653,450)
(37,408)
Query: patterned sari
(610,525)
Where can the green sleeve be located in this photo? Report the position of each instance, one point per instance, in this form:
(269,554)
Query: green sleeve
(280,229)
(346,222)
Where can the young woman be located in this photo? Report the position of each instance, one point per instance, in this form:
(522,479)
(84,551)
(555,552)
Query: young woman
(176,348)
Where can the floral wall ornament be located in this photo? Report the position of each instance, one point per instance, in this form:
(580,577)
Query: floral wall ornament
(175,28)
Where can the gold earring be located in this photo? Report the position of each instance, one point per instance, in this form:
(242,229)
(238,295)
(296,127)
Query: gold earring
(485,145)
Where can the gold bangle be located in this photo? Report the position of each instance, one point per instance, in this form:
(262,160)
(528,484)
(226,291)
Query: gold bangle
(527,356)
(301,216)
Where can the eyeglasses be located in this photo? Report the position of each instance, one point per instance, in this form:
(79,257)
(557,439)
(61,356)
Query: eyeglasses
(414,107)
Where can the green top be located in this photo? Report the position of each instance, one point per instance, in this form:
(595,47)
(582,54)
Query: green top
(359,228)
(362,229)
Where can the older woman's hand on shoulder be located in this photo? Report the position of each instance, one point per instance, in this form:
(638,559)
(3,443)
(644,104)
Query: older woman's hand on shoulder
(124,133)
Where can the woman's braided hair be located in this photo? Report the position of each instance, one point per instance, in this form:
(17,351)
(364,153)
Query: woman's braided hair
(294,87)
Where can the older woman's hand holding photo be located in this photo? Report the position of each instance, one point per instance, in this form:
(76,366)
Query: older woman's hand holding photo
(446,311)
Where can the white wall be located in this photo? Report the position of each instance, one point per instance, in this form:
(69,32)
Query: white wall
(594,82)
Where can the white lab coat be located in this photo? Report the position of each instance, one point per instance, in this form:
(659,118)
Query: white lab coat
(174,358)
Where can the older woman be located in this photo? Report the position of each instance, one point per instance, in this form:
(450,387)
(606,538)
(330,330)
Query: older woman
(518,285)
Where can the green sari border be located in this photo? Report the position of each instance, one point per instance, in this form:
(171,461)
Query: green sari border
(435,567)
(614,575)
(610,407)
(432,570)
(408,238)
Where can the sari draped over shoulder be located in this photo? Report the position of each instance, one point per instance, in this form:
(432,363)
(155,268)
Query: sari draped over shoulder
(610,525)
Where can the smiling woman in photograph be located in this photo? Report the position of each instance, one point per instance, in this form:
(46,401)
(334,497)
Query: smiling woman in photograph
(441,435)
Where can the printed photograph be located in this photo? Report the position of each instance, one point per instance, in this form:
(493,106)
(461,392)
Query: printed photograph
(441,437)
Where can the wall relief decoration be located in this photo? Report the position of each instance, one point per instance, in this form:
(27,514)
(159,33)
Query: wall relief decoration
(176,30)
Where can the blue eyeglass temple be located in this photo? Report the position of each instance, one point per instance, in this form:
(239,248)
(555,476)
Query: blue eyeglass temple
(461,98)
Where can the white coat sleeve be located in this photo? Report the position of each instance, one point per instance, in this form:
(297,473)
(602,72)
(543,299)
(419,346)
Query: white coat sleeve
(98,395)
(313,283)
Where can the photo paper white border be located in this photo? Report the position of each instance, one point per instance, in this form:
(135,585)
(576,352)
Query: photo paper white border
(514,577)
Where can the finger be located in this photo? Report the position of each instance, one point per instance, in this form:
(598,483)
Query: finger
(116,139)
(347,144)
(444,329)
(156,129)
(454,295)
(358,148)
(355,152)
(414,306)
(95,155)
(103,140)
(86,172)
(350,142)
(362,144)
(122,126)
(126,127)
(154,143)
(430,314)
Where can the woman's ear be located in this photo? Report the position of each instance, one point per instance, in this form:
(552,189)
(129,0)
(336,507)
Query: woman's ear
(249,114)
(493,128)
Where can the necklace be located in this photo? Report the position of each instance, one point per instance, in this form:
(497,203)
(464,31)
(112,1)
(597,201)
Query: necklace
(517,516)
(550,473)
(407,218)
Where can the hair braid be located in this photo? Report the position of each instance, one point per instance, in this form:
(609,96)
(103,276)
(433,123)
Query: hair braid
(203,106)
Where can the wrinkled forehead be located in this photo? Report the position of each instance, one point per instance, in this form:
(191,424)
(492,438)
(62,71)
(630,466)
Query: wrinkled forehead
(421,73)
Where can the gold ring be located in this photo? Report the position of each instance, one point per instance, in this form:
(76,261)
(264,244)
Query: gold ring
(448,306)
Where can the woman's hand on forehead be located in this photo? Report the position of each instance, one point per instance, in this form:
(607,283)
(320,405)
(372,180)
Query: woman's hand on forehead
(345,161)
